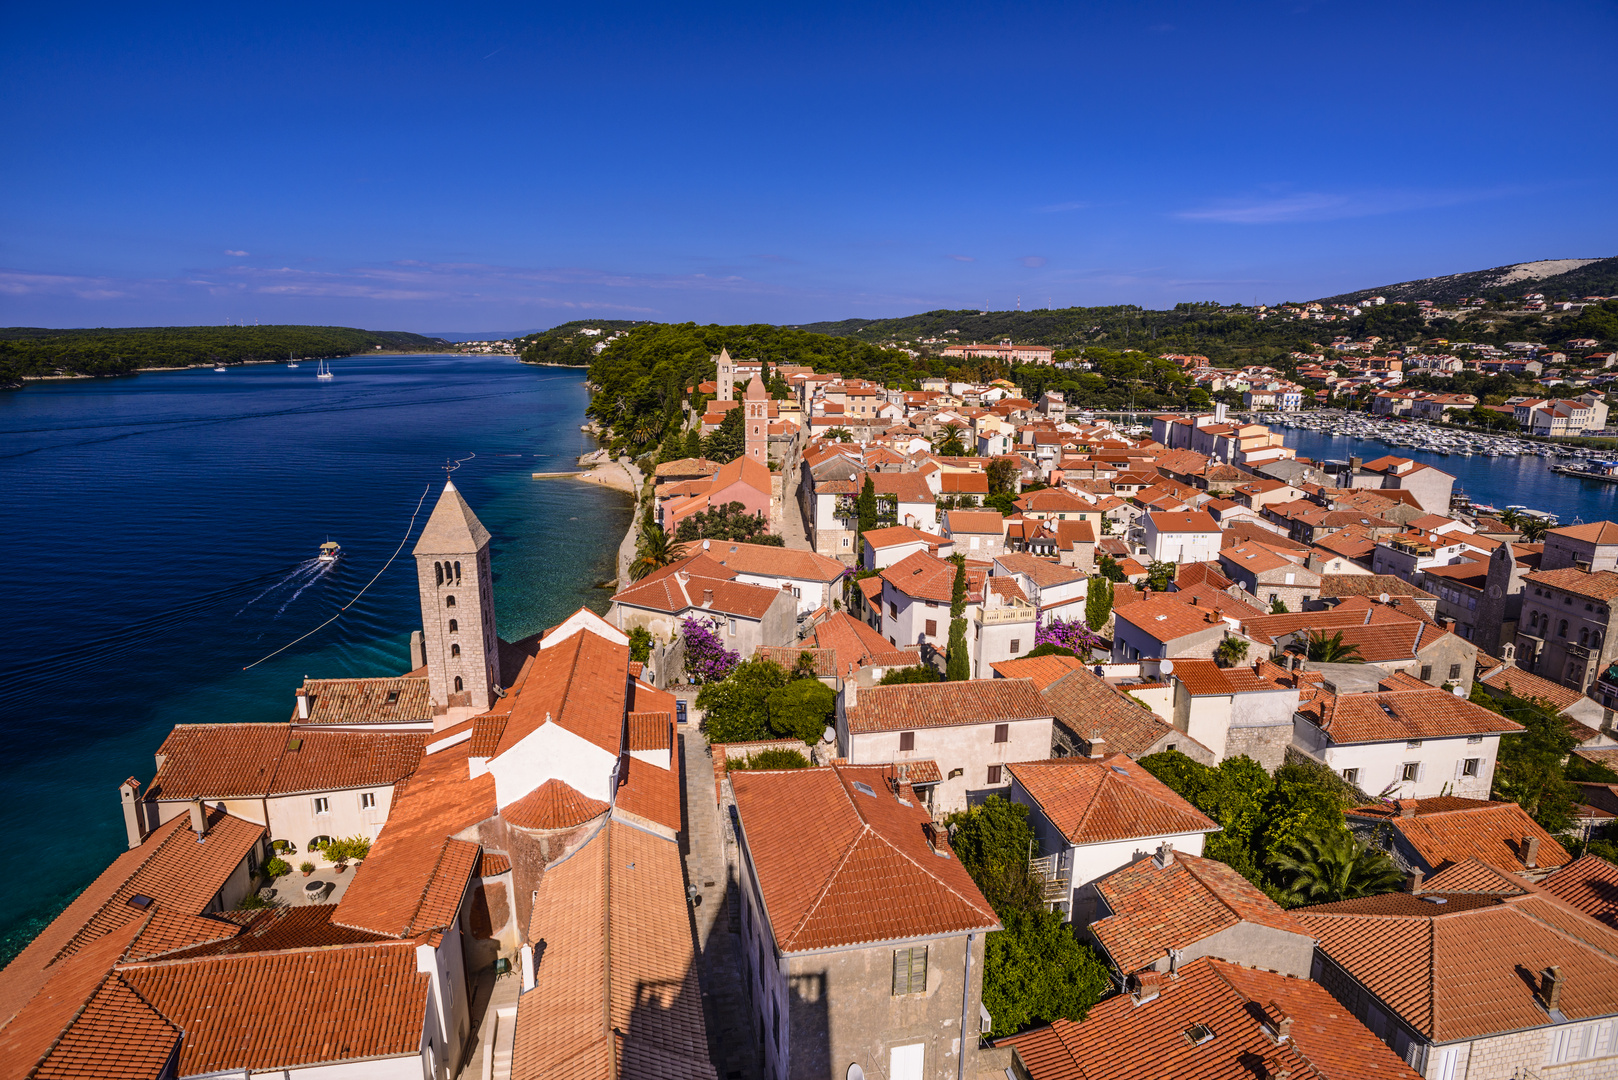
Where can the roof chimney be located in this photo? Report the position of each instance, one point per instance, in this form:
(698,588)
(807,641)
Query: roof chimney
(134,819)
(1280,1024)
(1145,986)
(302,696)
(1164,857)
(1550,990)
(1407,807)
(1530,851)
(1413,885)
(1097,744)
(707,597)
(199,819)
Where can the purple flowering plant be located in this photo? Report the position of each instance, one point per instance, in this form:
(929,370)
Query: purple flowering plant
(1068,634)
(706,658)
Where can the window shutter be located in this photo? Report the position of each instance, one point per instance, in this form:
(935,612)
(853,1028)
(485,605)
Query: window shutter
(1421,771)
(910,970)
(907,740)
(1459,766)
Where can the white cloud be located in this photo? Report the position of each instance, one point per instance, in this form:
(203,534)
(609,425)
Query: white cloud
(236,254)
(1307,206)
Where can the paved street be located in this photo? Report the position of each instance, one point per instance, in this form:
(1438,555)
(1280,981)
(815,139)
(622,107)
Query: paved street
(731,1042)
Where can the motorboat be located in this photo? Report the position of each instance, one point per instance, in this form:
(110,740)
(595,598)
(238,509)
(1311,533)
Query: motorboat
(329,551)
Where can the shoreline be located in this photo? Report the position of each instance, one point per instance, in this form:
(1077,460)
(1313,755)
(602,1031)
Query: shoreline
(24,380)
(611,475)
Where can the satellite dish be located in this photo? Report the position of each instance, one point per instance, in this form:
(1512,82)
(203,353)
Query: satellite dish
(1168,667)
(1383,599)
(1459,691)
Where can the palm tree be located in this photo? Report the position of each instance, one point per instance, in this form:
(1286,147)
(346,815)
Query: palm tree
(1330,864)
(840,434)
(1332,650)
(949,442)
(1231,651)
(654,551)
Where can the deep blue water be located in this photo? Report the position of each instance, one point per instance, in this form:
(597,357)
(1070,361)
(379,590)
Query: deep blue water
(159,530)
(1500,482)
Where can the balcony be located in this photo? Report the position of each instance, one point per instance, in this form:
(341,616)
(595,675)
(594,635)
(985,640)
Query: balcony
(1012,613)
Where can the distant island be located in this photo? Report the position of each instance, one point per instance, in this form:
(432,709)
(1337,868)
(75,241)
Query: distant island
(35,353)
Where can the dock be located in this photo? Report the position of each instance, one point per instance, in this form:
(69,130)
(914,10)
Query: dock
(554,475)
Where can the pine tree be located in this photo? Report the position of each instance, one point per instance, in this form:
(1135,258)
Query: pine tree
(957,666)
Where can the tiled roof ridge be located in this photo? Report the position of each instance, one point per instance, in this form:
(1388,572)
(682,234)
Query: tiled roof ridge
(73,943)
(411,929)
(1281,1049)
(1516,903)
(1206,883)
(848,853)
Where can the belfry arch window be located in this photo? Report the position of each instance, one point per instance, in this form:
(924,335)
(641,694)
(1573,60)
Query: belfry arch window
(454,626)
(457,573)
(455,650)
(449,601)
(1561,628)
(438,573)
(457,684)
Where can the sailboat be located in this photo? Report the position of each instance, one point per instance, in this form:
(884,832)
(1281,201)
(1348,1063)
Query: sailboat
(291,362)
(325,373)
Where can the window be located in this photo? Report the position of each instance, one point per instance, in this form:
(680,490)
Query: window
(953,773)
(457,573)
(1474,740)
(449,601)
(907,740)
(457,684)
(775,1026)
(1426,673)
(1410,771)
(322,805)
(932,627)
(845,541)
(1584,635)
(1469,767)
(1351,775)
(455,650)
(1578,1043)
(910,970)
(368,800)
(732,628)
(893,610)
(438,573)
(454,626)
(994,774)
(1561,629)
(1002,733)
(1454,672)
(1016,646)
(1413,744)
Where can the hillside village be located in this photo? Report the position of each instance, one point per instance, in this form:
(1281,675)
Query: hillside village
(935,732)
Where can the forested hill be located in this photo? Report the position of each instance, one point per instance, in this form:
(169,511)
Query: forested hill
(1558,279)
(30,352)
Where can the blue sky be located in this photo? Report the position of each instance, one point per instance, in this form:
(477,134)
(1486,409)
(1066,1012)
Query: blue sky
(486,167)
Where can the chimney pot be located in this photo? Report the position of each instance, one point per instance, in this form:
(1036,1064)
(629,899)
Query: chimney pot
(1164,857)
(1530,852)
(1551,987)
(1407,808)
(199,819)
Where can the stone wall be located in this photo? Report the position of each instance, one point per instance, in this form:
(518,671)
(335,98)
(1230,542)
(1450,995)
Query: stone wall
(1266,745)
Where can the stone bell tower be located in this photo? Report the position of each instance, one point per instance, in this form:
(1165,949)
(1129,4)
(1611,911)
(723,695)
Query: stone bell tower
(457,606)
(756,434)
(725,374)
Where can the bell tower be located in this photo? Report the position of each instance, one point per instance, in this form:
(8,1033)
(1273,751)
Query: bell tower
(725,374)
(756,435)
(457,606)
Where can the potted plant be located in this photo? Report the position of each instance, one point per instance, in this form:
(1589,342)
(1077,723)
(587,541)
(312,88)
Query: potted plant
(307,867)
(337,851)
(277,868)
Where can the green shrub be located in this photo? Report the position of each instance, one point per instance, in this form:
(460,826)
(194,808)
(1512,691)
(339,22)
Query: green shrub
(770,759)
(277,868)
(306,866)
(347,849)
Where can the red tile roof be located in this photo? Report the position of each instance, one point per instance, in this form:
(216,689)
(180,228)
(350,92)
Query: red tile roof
(552,805)
(1098,712)
(367,701)
(1589,884)
(1042,670)
(1120,1040)
(1525,684)
(218,761)
(945,704)
(1196,521)
(1456,971)
(1407,714)
(579,684)
(1451,830)
(650,792)
(838,867)
(1166,617)
(680,592)
(1597,585)
(615,982)
(926,577)
(1092,800)
(1154,907)
(768,561)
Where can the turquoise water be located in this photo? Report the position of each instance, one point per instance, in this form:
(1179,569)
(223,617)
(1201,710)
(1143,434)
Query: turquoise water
(159,532)
(1500,482)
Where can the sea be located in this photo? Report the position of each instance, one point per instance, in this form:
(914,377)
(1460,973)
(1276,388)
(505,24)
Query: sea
(1497,481)
(161,530)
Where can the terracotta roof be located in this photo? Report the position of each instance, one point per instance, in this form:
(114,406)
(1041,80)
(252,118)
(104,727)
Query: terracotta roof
(1120,1040)
(1525,684)
(688,467)
(1204,678)
(1166,618)
(414,871)
(1596,532)
(650,792)
(1042,670)
(769,561)
(651,731)
(615,981)
(1590,884)
(1092,708)
(1052,501)
(1596,585)
(974,521)
(552,805)
(894,535)
(1408,714)
(1112,798)
(945,704)
(280,1010)
(838,867)
(215,761)
(678,593)
(926,577)
(367,701)
(494,865)
(907,487)
(852,640)
(1454,975)
(1196,521)
(1370,585)
(177,873)
(1154,907)
(580,684)
(1451,830)
(276,929)
(1042,572)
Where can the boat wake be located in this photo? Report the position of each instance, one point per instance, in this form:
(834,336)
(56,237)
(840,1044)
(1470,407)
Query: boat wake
(302,576)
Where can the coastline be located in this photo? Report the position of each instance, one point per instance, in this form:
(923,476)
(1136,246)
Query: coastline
(610,474)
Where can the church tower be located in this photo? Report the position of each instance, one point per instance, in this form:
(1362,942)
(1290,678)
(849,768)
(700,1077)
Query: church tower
(756,437)
(1495,631)
(725,374)
(457,606)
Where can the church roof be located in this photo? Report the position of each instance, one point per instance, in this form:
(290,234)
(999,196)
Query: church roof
(453,529)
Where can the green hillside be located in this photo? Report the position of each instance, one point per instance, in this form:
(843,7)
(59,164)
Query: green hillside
(1597,277)
(32,352)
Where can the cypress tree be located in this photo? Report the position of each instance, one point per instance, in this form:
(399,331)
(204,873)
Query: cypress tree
(957,666)
(1098,604)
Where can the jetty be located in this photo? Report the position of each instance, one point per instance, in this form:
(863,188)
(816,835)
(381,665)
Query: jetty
(554,475)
